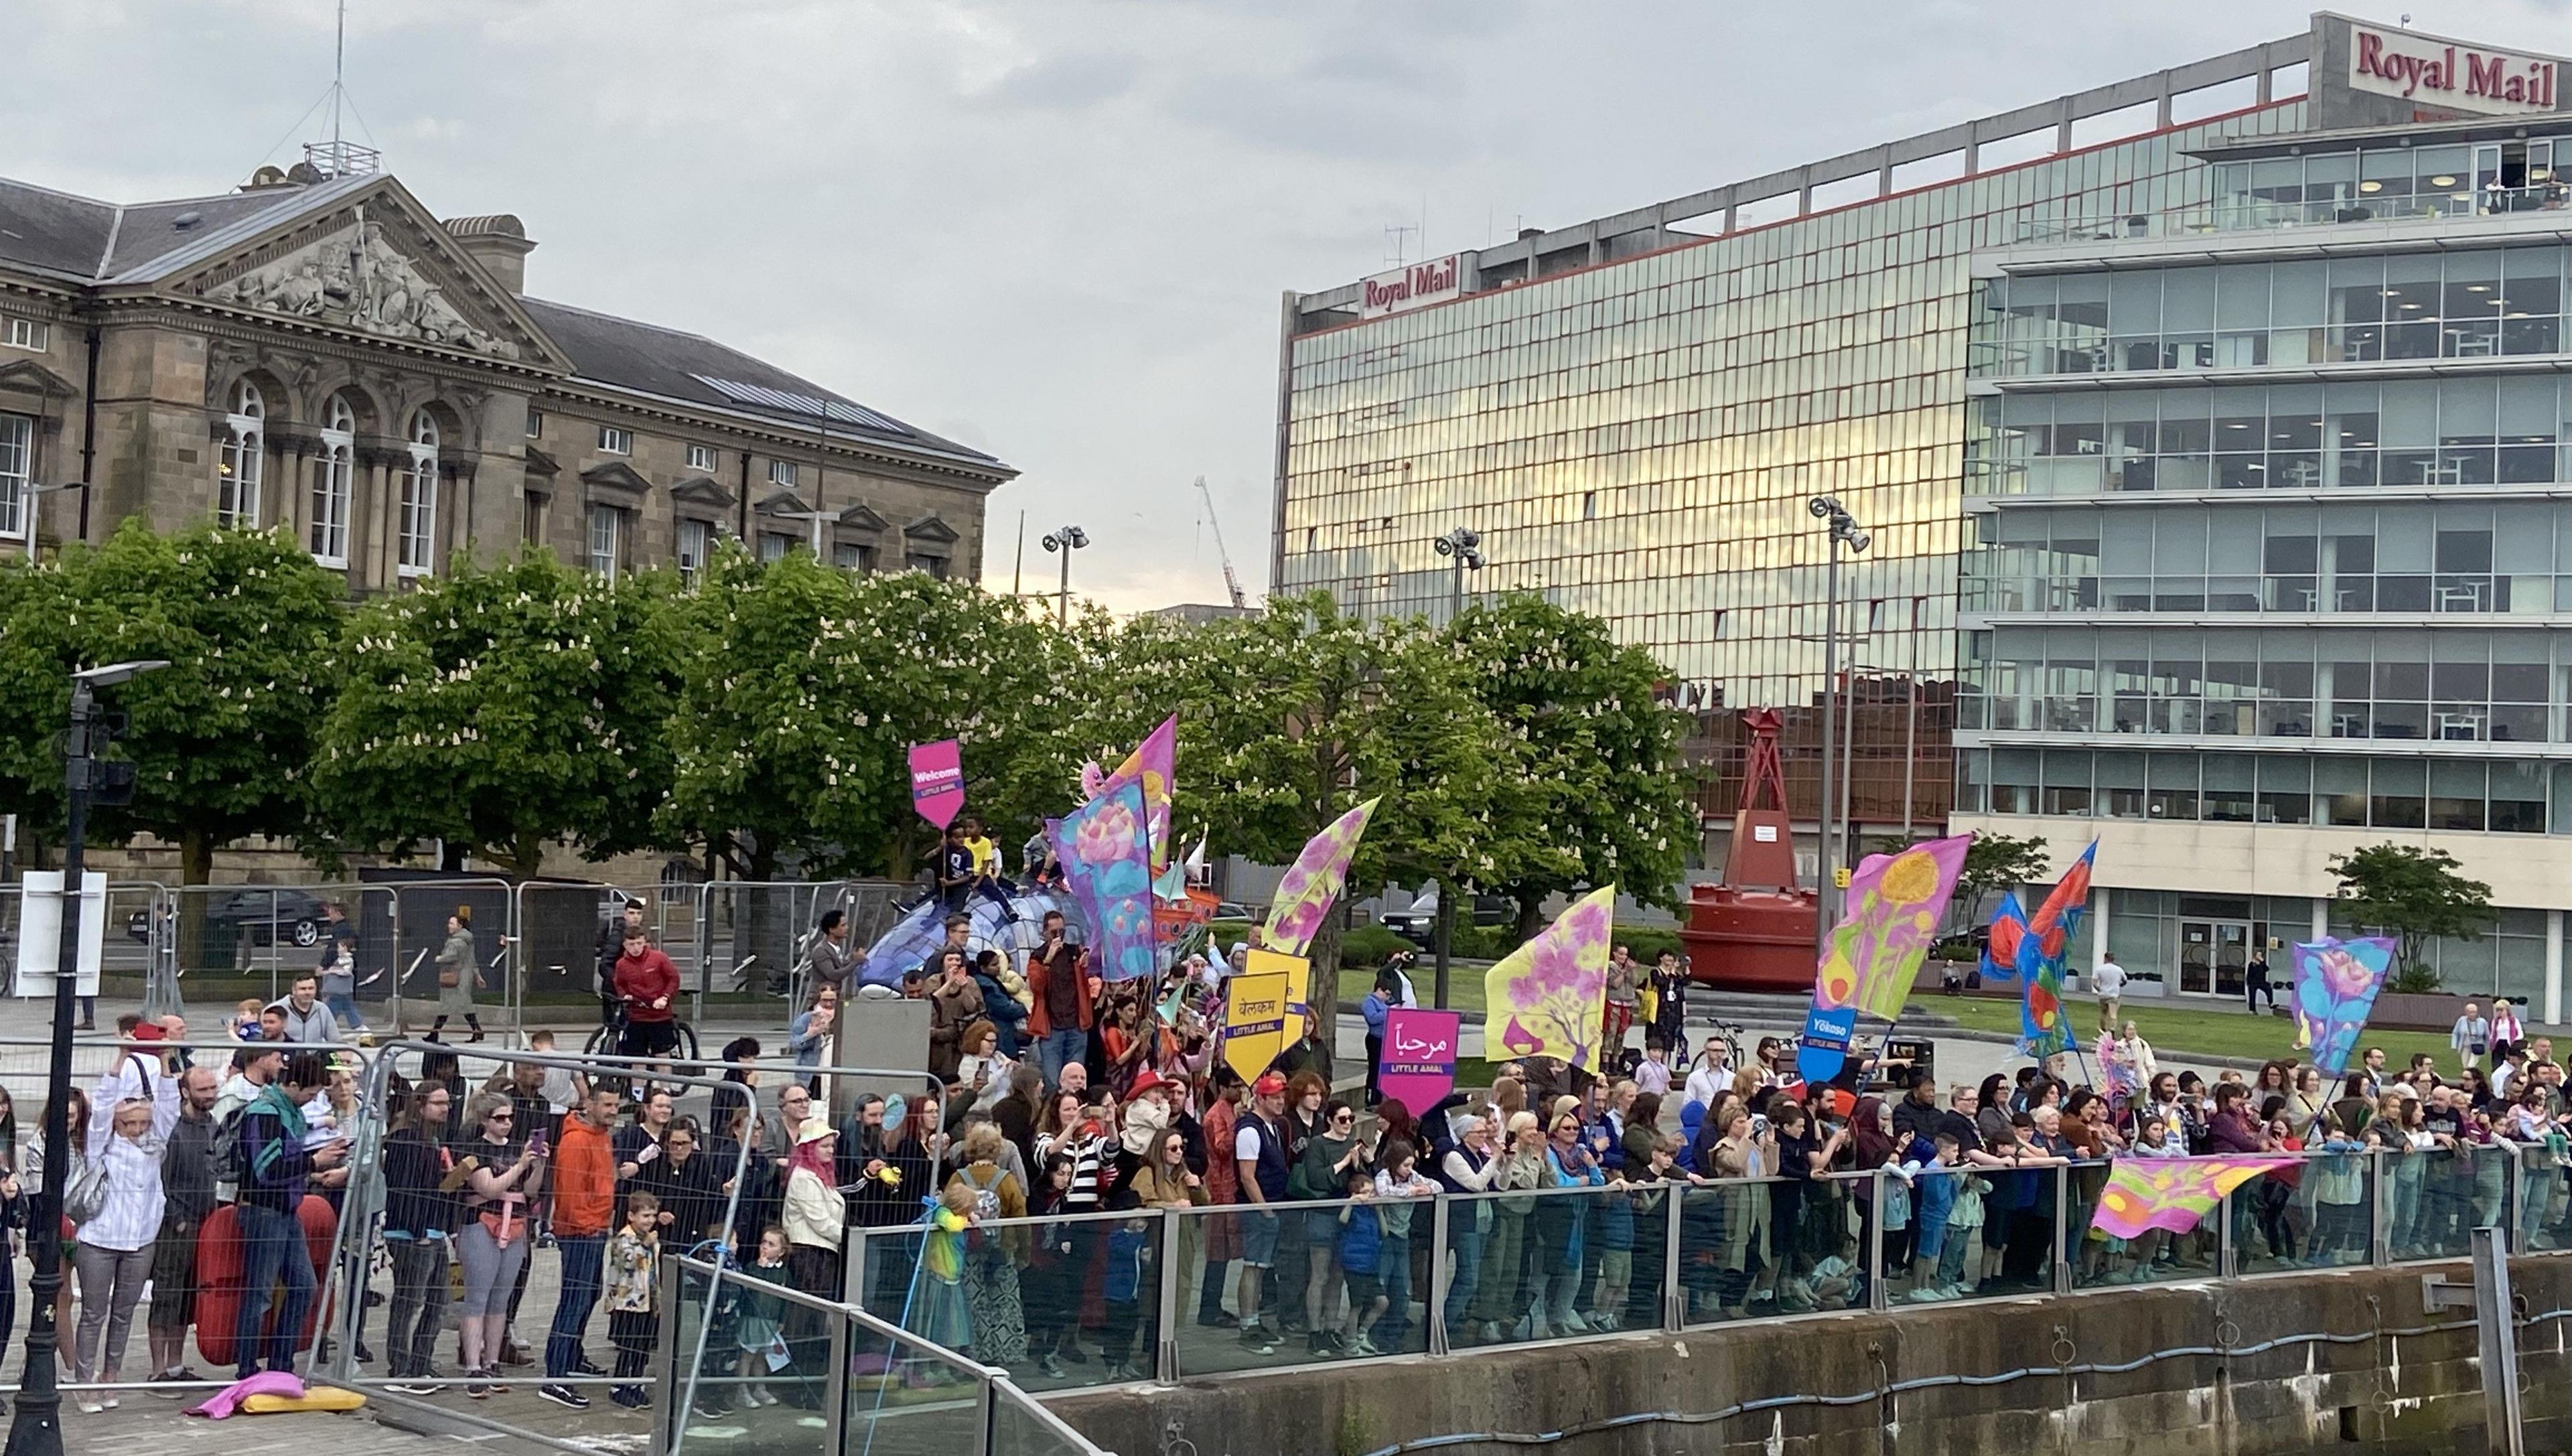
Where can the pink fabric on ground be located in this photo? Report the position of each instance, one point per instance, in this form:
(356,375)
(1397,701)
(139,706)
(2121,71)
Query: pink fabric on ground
(227,1400)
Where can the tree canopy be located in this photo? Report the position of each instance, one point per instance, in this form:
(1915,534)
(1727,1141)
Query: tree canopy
(2416,894)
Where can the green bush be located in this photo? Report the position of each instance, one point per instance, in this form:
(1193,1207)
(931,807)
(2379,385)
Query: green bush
(1369,946)
(1648,940)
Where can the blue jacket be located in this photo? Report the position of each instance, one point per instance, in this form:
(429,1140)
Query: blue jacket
(1361,1240)
(1374,1008)
(273,1155)
(1124,1280)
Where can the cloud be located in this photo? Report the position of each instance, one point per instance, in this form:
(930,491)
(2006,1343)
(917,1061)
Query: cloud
(1059,231)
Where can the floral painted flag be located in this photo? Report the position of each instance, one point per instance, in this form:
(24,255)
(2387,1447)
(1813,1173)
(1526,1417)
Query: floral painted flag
(1894,904)
(2335,986)
(1154,765)
(1551,994)
(1314,880)
(1107,863)
(2175,1193)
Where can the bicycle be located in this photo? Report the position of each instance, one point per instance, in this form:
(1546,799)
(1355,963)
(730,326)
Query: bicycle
(607,1043)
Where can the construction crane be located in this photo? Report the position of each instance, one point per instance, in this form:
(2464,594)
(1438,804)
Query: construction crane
(1231,580)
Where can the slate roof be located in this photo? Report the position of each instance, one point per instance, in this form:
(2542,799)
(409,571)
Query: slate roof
(674,364)
(86,241)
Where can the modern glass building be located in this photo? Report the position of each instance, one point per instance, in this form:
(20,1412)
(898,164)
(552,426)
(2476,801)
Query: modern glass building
(2270,549)
(1632,412)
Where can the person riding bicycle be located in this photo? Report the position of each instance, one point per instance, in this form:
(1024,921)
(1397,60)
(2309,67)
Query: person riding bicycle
(611,946)
(646,985)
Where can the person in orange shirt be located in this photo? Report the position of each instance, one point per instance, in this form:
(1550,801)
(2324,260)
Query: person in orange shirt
(584,1210)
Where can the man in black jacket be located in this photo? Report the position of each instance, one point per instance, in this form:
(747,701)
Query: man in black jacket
(188,1186)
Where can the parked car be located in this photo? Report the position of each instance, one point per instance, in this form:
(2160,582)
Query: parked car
(1235,910)
(1419,922)
(261,917)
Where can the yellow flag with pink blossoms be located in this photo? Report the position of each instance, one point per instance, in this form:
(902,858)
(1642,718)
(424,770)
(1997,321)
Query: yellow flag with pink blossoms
(1549,997)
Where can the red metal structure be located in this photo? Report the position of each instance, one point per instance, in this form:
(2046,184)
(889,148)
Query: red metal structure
(1753,929)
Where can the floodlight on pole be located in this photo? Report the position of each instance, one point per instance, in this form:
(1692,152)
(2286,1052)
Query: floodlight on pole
(1065,539)
(1844,531)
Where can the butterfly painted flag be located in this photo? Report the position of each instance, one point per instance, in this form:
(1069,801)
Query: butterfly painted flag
(1313,882)
(1894,904)
(1154,765)
(1551,994)
(2175,1193)
(2032,949)
(1107,863)
(2335,986)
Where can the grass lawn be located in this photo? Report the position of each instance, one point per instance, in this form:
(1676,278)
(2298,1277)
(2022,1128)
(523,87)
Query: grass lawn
(1464,986)
(2180,1029)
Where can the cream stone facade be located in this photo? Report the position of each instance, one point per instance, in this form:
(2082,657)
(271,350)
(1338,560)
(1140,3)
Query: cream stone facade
(322,355)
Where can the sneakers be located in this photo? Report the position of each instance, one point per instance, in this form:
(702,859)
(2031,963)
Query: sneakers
(477,1383)
(167,1379)
(1053,1367)
(89,1404)
(1258,1339)
(413,1385)
(581,1365)
(563,1395)
(631,1397)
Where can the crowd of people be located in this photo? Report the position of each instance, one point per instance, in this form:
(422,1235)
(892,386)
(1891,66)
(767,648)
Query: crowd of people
(1012,1206)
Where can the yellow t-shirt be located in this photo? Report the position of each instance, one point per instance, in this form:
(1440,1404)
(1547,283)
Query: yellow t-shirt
(986,859)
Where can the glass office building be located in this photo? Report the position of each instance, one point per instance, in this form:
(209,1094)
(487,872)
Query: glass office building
(1634,413)
(2268,549)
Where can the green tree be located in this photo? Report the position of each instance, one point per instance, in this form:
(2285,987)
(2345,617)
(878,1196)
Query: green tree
(1292,717)
(1601,748)
(220,740)
(2418,895)
(503,709)
(802,689)
(1998,861)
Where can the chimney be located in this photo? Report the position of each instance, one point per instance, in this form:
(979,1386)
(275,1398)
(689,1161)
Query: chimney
(499,243)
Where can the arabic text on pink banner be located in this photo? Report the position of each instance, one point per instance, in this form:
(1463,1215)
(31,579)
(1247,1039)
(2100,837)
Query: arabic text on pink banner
(1417,1065)
(937,781)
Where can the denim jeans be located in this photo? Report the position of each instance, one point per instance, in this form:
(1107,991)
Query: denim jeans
(1468,1277)
(1056,1050)
(273,1252)
(582,1254)
(343,1009)
(419,1305)
(1392,1267)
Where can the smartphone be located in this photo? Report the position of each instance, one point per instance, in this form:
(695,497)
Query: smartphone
(536,1140)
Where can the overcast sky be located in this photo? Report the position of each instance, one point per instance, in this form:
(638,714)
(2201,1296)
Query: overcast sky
(1057,230)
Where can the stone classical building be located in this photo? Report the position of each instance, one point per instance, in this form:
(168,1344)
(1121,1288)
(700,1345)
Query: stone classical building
(320,354)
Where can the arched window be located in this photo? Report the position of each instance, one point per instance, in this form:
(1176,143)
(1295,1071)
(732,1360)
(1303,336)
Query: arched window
(334,482)
(243,455)
(417,540)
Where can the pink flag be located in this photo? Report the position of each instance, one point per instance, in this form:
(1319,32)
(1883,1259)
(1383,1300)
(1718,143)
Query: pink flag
(1154,765)
(1417,1065)
(2171,1192)
(1314,880)
(938,780)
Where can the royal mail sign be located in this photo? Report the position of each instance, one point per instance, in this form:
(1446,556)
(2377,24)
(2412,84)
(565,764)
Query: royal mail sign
(2436,72)
(1433,282)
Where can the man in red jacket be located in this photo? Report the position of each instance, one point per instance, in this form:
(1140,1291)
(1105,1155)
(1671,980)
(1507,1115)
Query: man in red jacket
(646,984)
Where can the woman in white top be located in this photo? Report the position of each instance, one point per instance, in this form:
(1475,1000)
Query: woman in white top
(816,1218)
(1470,1166)
(2504,1023)
(113,1255)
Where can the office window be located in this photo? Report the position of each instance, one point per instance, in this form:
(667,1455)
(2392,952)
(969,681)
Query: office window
(241,459)
(934,566)
(701,457)
(615,442)
(693,537)
(531,521)
(606,539)
(535,422)
(851,556)
(772,545)
(415,526)
(28,334)
(16,454)
(333,483)
(782,472)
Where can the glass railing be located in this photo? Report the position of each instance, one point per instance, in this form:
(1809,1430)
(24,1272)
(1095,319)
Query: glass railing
(2252,214)
(754,1366)
(1099,1299)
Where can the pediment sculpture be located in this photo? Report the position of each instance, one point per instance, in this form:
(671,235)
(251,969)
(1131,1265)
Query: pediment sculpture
(354,277)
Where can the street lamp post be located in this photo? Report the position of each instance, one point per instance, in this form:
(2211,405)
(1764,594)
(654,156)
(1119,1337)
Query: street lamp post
(1065,539)
(1844,531)
(37,1427)
(1462,546)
